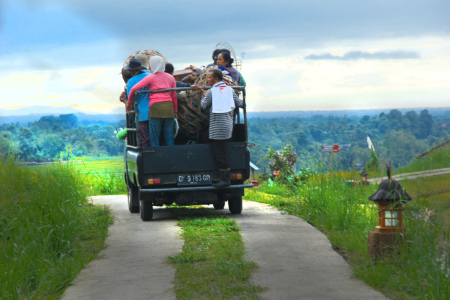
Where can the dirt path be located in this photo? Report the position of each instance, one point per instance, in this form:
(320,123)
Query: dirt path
(295,260)
(133,266)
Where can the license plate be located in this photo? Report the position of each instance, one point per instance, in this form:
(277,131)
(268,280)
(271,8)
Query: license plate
(194,179)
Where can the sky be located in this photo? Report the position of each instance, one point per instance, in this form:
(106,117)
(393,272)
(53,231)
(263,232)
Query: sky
(299,55)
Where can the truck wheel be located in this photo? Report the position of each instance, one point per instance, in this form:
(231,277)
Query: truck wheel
(235,204)
(146,208)
(133,199)
(219,205)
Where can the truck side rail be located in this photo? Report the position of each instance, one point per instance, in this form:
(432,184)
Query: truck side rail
(132,117)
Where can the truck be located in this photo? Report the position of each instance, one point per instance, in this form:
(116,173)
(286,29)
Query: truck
(182,174)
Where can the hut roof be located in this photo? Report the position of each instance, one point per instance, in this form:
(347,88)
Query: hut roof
(390,190)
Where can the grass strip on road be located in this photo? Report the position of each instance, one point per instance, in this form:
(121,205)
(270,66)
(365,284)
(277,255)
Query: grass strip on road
(212,263)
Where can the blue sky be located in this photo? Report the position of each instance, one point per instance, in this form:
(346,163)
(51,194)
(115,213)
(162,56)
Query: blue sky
(300,55)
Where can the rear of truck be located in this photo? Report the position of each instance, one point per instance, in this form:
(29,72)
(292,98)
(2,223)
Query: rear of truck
(182,174)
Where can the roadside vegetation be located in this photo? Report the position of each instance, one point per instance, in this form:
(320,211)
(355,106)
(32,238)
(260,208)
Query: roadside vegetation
(102,175)
(48,229)
(212,263)
(420,270)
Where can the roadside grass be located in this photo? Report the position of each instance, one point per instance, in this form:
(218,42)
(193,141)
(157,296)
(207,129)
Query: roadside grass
(421,270)
(48,229)
(102,175)
(105,184)
(437,159)
(212,263)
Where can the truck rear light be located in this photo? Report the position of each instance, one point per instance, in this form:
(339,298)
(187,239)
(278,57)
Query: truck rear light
(154,181)
(235,176)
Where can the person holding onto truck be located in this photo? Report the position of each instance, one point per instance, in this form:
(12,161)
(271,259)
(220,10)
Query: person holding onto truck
(224,62)
(163,106)
(126,75)
(221,101)
(138,73)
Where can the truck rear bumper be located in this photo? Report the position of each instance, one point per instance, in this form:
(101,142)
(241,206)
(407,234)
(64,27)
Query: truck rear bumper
(196,188)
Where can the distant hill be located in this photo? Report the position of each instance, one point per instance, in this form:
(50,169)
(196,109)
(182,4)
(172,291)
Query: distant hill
(341,113)
(39,109)
(82,118)
(35,112)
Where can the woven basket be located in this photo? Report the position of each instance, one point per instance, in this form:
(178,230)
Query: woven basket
(149,54)
(192,119)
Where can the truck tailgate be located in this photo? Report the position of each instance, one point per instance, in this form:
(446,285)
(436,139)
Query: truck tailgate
(190,158)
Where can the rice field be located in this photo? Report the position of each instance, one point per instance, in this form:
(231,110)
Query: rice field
(99,165)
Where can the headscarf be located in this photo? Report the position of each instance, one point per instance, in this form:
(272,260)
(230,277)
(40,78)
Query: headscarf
(157,64)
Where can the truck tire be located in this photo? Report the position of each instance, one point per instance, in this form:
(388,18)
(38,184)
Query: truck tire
(235,204)
(146,209)
(219,205)
(133,199)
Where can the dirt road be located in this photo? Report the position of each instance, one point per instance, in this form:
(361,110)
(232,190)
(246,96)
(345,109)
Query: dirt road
(414,175)
(295,260)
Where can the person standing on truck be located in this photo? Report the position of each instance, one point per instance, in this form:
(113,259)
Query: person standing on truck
(169,70)
(125,76)
(144,62)
(138,72)
(221,100)
(224,62)
(163,106)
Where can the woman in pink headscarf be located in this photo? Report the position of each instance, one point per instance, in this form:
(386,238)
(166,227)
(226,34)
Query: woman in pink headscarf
(163,106)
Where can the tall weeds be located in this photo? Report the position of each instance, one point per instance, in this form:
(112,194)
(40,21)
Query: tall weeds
(48,230)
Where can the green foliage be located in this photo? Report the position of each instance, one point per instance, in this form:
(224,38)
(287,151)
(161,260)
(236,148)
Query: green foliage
(212,263)
(106,184)
(45,139)
(283,161)
(374,164)
(48,229)
(397,137)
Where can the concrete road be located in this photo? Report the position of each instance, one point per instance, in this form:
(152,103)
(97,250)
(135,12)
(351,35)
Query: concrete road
(133,266)
(295,260)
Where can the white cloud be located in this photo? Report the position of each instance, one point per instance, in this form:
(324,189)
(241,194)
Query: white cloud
(358,84)
(275,84)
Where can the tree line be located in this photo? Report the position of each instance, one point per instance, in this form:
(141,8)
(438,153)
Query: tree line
(396,137)
(46,138)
